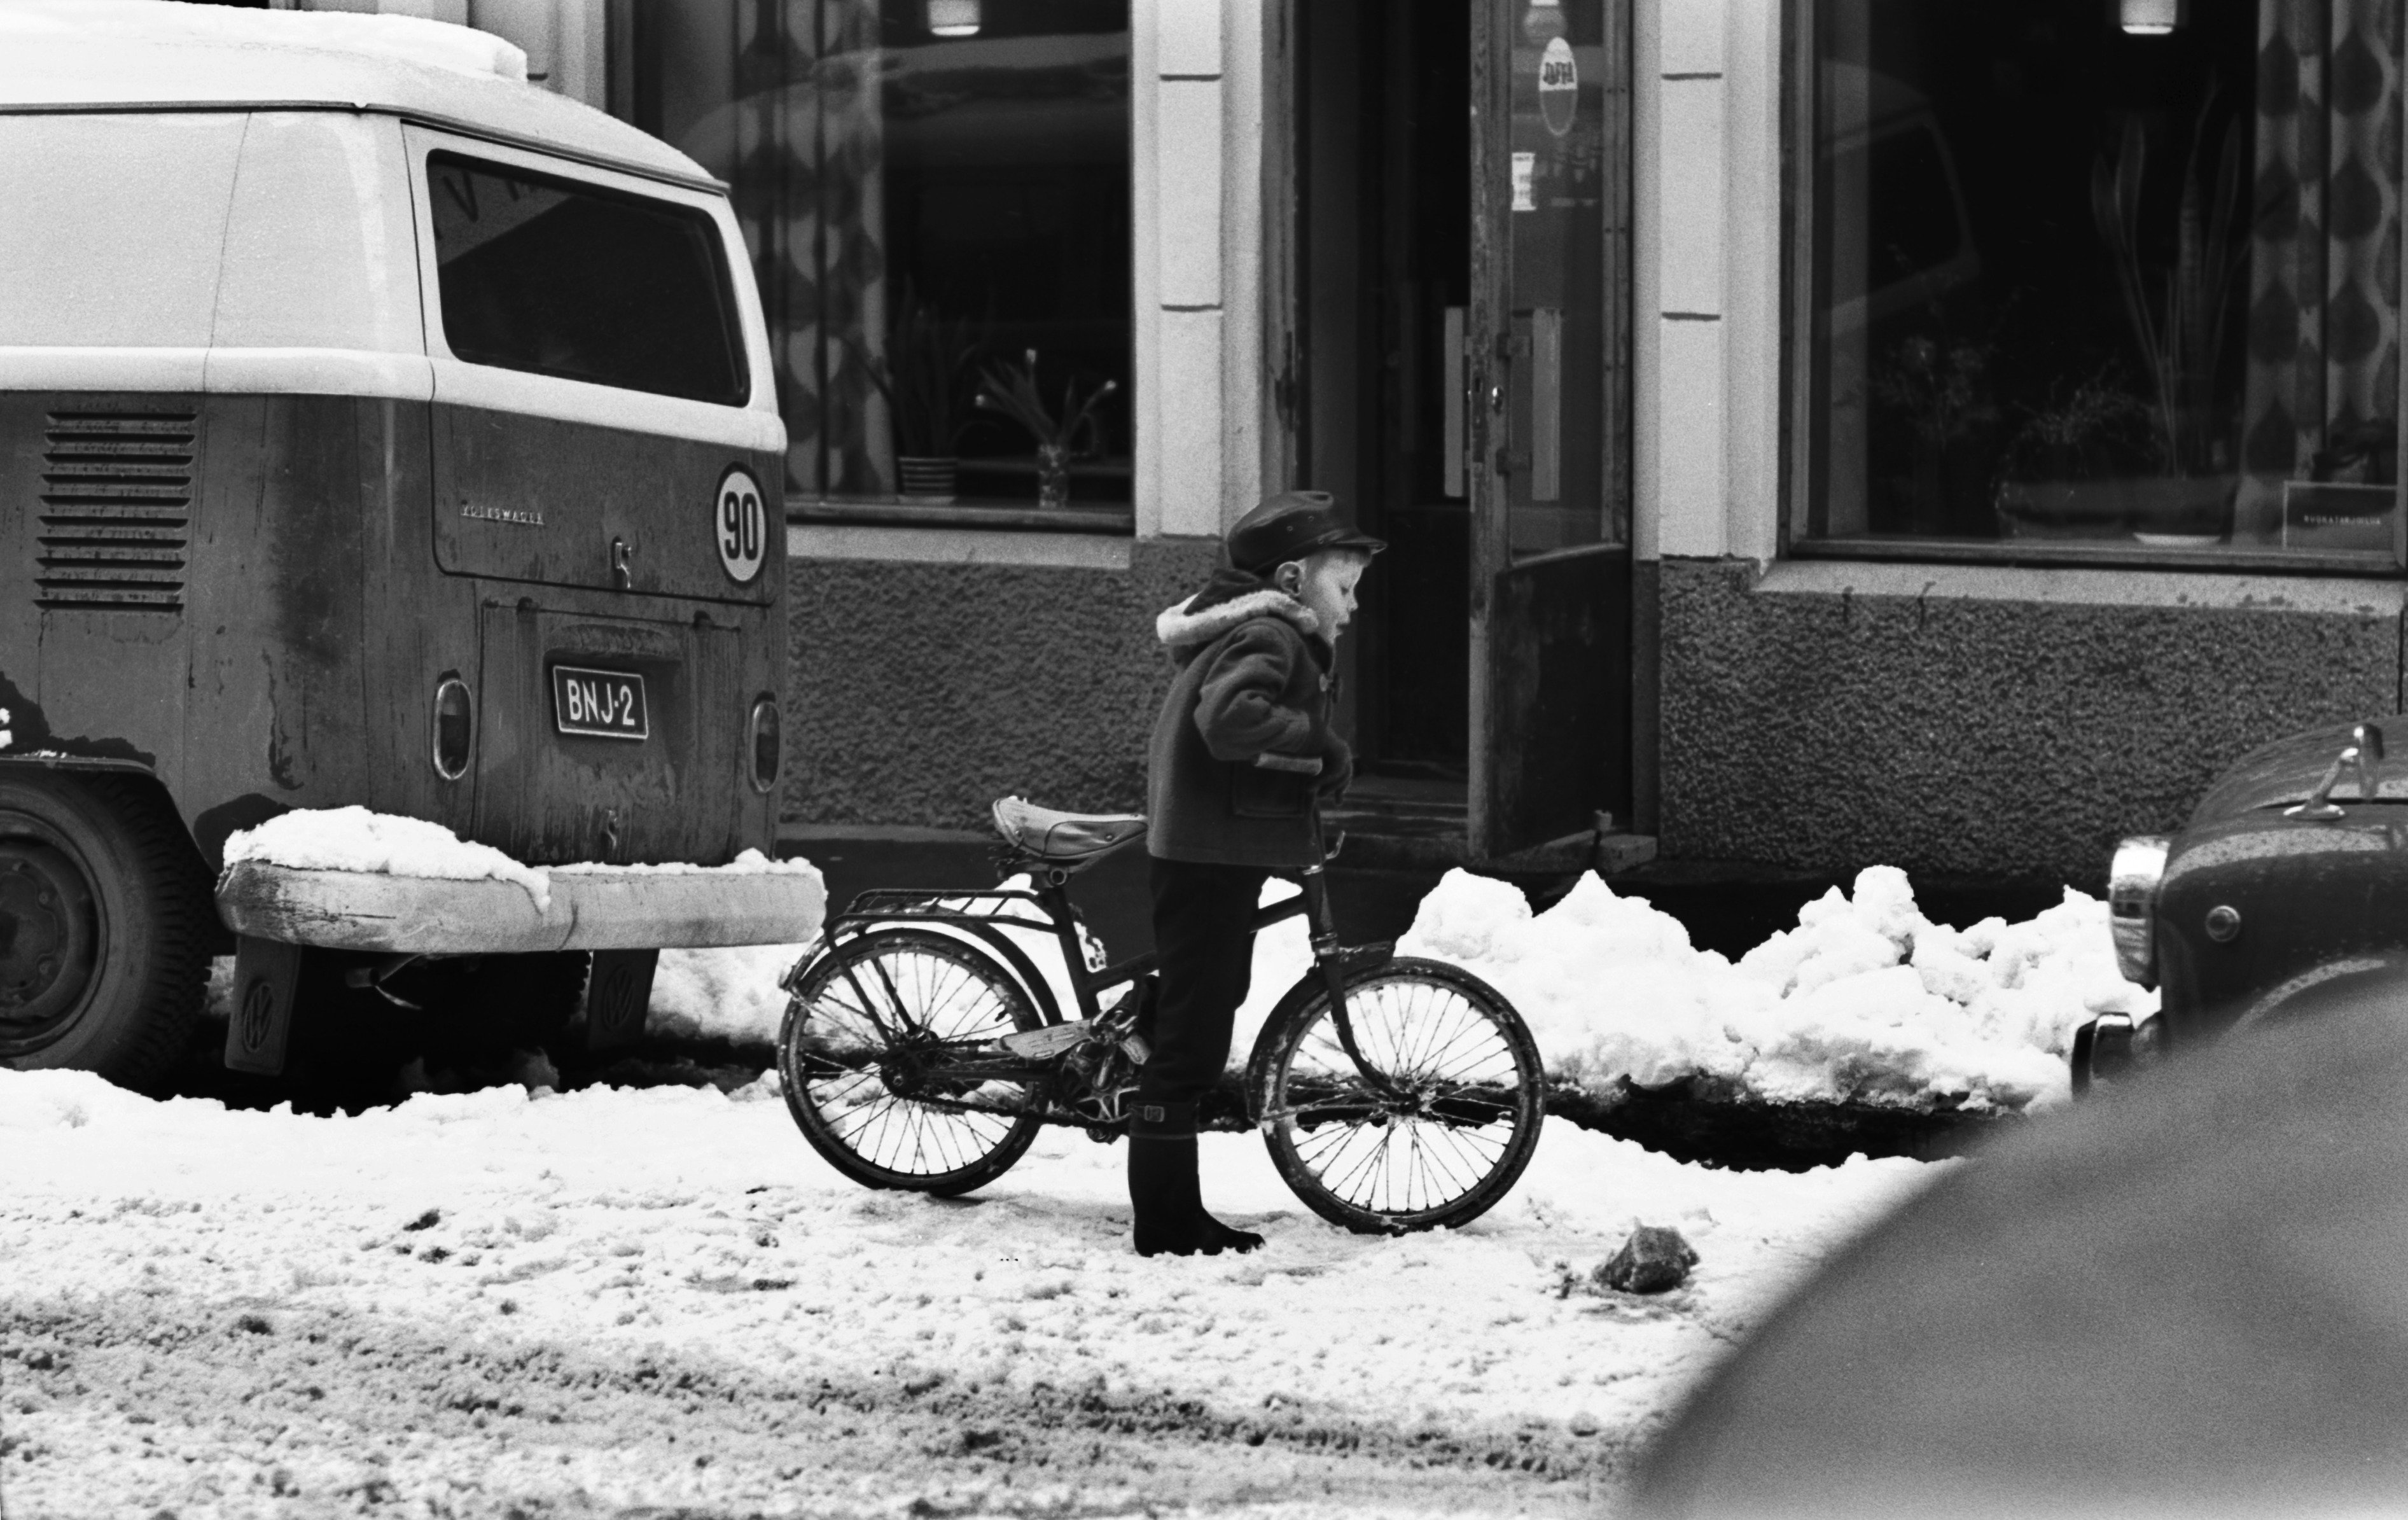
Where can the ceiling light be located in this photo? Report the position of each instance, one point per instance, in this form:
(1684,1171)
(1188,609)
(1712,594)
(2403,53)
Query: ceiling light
(954,18)
(2150,18)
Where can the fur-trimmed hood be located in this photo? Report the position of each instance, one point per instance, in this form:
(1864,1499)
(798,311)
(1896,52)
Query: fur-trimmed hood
(1229,598)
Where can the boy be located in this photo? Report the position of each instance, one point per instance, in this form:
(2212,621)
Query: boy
(1238,754)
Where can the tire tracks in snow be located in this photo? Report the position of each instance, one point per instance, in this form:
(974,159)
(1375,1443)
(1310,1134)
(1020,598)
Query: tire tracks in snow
(145,1401)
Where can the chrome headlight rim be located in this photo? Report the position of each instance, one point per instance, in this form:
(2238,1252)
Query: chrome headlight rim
(2132,881)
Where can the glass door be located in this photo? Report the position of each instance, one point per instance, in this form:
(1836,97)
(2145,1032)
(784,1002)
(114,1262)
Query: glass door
(1546,360)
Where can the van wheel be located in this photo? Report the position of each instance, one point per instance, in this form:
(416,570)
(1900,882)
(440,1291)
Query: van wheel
(105,925)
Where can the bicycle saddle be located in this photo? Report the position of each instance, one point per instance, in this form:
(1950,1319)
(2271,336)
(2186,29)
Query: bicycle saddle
(1072,840)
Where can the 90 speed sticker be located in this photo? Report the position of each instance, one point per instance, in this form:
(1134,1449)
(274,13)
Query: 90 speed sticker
(740,525)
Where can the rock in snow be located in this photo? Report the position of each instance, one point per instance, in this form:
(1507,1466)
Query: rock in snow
(1652,1260)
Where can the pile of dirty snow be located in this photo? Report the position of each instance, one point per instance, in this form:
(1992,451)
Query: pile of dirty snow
(1865,1001)
(729,993)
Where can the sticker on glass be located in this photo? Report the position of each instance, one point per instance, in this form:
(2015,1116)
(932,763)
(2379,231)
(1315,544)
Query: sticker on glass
(1526,169)
(740,525)
(1558,86)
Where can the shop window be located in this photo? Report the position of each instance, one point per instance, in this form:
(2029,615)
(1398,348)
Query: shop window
(932,192)
(2104,278)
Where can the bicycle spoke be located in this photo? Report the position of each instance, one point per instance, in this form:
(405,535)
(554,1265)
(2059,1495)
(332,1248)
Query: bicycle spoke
(892,1093)
(1450,1107)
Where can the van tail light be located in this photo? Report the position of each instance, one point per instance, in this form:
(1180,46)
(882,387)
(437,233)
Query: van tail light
(765,744)
(455,727)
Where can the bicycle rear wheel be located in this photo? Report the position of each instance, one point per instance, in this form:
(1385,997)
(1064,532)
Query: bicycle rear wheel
(870,1051)
(1448,1139)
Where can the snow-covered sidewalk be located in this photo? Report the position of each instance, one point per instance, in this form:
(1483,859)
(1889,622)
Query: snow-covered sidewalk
(675,1227)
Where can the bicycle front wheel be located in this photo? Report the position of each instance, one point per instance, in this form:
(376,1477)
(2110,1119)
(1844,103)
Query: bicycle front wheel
(881,1054)
(1455,1126)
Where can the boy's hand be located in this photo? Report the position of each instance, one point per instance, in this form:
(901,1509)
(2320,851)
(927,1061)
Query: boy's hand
(1337,768)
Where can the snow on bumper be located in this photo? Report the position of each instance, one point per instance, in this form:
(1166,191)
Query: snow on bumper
(590,909)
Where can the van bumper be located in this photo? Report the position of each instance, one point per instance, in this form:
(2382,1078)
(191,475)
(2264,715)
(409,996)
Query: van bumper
(605,908)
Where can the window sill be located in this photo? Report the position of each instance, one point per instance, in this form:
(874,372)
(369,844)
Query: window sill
(897,514)
(2101,555)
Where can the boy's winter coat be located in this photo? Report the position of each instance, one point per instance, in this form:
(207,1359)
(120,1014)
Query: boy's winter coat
(1243,738)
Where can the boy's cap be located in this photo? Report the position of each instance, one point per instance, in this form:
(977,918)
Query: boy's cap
(1291,525)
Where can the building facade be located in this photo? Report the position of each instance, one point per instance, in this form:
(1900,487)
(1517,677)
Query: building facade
(1812,432)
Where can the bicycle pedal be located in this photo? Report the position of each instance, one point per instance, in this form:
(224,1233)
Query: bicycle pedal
(1046,1043)
(1136,1050)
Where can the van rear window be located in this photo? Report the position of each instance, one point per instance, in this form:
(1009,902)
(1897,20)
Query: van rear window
(558,278)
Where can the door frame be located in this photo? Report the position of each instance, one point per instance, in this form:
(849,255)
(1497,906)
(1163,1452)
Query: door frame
(1487,331)
(1496,665)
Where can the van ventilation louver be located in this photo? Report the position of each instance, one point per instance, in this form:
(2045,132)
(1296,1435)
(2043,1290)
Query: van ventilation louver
(117,503)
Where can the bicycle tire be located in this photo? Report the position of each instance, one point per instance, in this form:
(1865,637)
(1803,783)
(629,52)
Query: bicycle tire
(1464,1061)
(850,1088)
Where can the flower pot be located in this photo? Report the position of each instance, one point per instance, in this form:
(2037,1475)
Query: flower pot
(926,478)
(1053,475)
(2063,510)
(2182,509)
(2164,509)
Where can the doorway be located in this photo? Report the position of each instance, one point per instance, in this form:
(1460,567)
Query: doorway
(1384,179)
(1461,219)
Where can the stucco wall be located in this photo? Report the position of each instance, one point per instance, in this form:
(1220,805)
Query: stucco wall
(922,691)
(1993,722)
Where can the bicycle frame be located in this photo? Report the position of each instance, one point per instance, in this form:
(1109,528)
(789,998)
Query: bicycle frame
(885,906)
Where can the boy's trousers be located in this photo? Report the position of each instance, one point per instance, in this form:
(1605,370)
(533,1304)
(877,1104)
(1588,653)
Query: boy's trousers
(1203,917)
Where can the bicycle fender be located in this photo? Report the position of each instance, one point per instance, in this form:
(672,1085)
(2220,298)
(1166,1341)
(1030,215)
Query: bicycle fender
(1015,959)
(1258,1061)
(1362,962)
(1021,966)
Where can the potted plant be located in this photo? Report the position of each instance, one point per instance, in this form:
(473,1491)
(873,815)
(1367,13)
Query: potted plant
(2067,471)
(2178,317)
(1940,390)
(1011,390)
(925,377)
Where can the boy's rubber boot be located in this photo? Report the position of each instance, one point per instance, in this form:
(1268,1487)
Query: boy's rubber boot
(1229,1237)
(1164,1197)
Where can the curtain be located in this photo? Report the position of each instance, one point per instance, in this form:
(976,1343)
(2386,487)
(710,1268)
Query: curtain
(2324,282)
(801,144)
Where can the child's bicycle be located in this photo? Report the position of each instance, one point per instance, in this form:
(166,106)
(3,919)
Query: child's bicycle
(921,1049)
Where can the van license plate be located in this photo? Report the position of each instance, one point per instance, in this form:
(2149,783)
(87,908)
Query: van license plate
(602,704)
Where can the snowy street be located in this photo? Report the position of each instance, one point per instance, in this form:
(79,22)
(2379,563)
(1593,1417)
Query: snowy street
(618,1300)
(662,1300)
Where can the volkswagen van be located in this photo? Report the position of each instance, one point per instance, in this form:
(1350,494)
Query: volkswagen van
(379,429)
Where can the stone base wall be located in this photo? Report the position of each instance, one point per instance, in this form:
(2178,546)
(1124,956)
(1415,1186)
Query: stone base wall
(922,691)
(1996,722)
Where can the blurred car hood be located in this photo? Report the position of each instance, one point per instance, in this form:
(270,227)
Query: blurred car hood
(2286,770)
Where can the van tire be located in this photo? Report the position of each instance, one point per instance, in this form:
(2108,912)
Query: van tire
(107,918)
